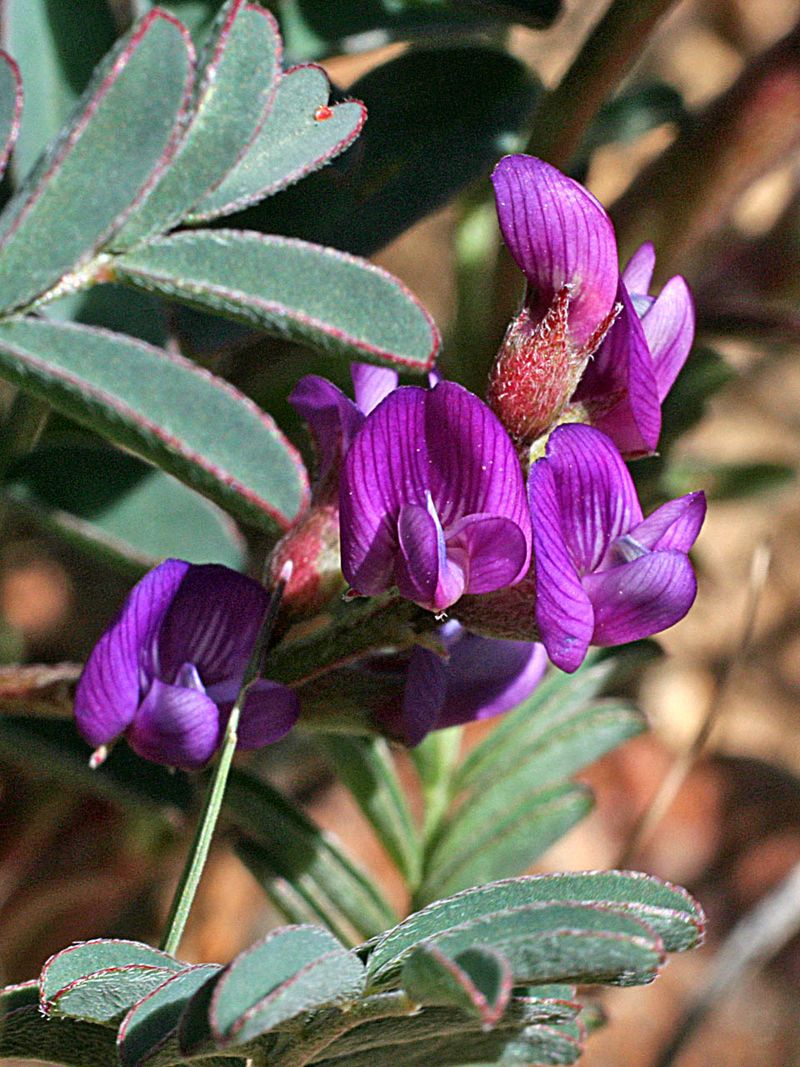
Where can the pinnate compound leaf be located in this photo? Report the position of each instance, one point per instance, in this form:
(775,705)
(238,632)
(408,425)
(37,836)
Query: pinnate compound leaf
(475,848)
(151,1022)
(330,300)
(166,409)
(88,958)
(539,1044)
(300,134)
(56,53)
(86,182)
(554,1006)
(438,120)
(365,767)
(10,107)
(558,697)
(293,970)
(665,908)
(235,84)
(287,845)
(113,505)
(477,980)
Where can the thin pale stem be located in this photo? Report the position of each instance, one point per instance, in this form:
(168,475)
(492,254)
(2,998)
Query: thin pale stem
(679,771)
(198,854)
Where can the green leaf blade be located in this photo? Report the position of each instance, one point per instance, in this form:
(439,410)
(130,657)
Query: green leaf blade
(150,1023)
(293,970)
(292,143)
(56,53)
(99,165)
(478,980)
(236,84)
(166,409)
(335,302)
(10,107)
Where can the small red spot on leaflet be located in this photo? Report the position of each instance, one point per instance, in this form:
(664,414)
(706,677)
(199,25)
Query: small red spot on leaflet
(323,113)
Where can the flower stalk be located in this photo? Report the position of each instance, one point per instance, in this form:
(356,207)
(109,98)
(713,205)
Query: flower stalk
(198,854)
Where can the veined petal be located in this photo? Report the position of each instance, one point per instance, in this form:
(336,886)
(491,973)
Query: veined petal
(596,496)
(675,525)
(623,368)
(176,726)
(423,697)
(332,417)
(121,665)
(424,573)
(496,552)
(669,329)
(473,468)
(558,234)
(212,622)
(486,677)
(269,713)
(385,468)
(371,384)
(564,612)
(640,598)
(638,273)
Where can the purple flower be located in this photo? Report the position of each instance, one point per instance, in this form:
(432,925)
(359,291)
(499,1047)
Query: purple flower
(604,575)
(167,671)
(565,357)
(480,678)
(432,499)
(334,419)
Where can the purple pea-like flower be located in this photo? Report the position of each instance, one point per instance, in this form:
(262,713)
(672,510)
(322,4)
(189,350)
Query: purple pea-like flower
(604,574)
(588,345)
(334,419)
(166,673)
(480,678)
(432,499)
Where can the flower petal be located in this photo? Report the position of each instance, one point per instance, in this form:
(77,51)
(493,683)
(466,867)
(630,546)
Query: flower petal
(494,550)
(423,571)
(487,677)
(640,598)
(472,465)
(669,330)
(564,613)
(423,697)
(596,496)
(109,689)
(269,713)
(675,525)
(558,234)
(212,622)
(371,384)
(385,468)
(176,726)
(332,417)
(638,274)
(620,382)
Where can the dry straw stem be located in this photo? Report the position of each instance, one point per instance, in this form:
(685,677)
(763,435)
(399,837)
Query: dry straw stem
(670,787)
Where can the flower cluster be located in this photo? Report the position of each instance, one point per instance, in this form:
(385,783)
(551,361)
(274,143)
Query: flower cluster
(518,517)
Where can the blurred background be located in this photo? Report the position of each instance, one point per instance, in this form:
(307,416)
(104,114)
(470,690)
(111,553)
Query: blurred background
(723,166)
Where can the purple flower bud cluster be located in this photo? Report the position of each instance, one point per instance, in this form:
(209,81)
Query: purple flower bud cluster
(429,490)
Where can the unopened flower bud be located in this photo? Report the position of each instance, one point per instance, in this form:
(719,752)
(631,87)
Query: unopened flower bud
(312,545)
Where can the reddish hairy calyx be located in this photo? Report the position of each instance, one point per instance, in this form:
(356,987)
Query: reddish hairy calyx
(537,369)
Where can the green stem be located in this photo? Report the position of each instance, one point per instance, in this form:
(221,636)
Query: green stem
(198,854)
(605,58)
